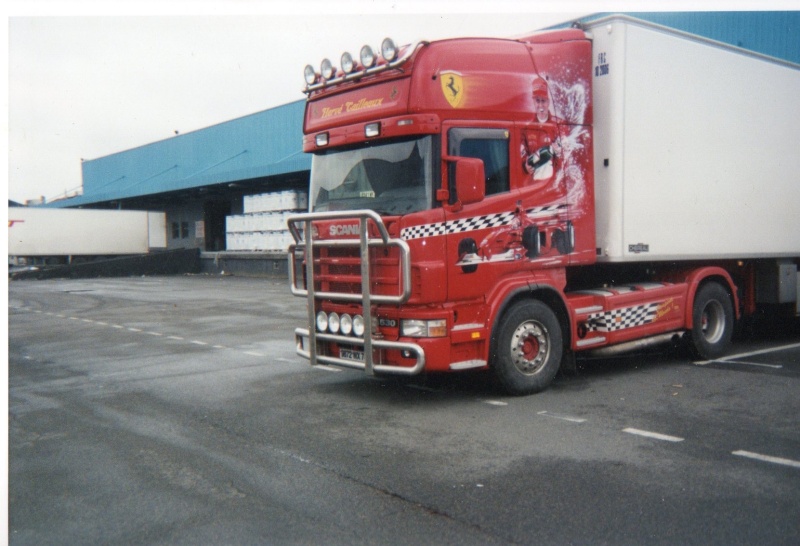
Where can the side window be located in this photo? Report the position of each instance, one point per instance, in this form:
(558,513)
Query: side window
(488,145)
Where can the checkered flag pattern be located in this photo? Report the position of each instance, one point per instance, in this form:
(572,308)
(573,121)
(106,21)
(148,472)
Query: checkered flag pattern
(621,319)
(457,226)
(472,224)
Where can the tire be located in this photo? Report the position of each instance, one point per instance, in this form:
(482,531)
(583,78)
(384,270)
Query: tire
(530,240)
(528,348)
(712,322)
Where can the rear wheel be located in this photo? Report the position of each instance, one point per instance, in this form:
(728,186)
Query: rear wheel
(712,318)
(528,348)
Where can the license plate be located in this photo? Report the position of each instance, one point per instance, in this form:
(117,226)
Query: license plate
(350,354)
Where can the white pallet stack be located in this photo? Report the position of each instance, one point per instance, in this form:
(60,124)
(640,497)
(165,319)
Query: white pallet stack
(262,226)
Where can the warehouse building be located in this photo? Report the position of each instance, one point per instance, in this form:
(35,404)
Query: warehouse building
(225,189)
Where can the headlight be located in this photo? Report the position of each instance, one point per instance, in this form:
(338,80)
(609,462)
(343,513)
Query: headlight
(367,57)
(322,321)
(423,328)
(333,323)
(358,325)
(310,75)
(345,324)
(347,62)
(388,50)
(327,69)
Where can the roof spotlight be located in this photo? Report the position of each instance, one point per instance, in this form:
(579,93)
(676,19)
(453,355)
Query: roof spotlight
(327,69)
(310,75)
(388,50)
(367,57)
(347,62)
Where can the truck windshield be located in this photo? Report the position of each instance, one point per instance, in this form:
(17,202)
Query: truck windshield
(393,177)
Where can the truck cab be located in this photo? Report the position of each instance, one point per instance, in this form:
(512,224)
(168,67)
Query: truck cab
(421,165)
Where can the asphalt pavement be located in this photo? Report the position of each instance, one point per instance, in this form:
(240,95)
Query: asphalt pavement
(173,410)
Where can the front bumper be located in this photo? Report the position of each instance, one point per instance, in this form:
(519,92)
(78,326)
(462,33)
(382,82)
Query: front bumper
(370,365)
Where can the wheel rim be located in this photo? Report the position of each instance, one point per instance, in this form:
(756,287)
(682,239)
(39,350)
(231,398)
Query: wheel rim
(712,322)
(530,347)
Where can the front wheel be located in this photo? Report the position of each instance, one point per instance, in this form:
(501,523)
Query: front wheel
(528,348)
(712,322)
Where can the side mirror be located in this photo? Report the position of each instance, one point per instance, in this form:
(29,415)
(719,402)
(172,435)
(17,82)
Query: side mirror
(470,180)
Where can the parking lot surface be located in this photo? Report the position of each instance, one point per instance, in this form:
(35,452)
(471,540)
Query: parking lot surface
(173,410)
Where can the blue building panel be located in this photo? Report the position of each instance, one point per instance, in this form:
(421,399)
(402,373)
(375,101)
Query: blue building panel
(263,144)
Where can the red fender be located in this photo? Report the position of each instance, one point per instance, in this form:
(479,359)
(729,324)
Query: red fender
(695,277)
(506,290)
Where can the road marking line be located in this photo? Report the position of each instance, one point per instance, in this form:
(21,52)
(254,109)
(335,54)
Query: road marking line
(654,435)
(562,417)
(74,318)
(220,347)
(61,316)
(118,326)
(494,402)
(733,358)
(134,329)
(327,368)
(175,337)
(86,320)
(761,352)
(743,363)
(196,342)
(154,334)
(253,353)
(101,323)
(766,458)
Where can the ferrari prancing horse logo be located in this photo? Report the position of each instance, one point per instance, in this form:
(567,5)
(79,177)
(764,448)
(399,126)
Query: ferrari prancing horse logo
(452,87)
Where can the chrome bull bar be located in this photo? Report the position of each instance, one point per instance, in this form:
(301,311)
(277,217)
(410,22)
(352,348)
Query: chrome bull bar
(305,242)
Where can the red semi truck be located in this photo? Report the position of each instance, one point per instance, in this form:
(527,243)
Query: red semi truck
(507,204)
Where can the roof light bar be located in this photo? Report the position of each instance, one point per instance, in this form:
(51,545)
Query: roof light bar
(352,71)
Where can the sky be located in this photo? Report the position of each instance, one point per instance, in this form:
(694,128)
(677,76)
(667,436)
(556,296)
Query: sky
(92,78)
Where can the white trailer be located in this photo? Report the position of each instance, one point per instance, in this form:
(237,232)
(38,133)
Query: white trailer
(696,147)
(46,232)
